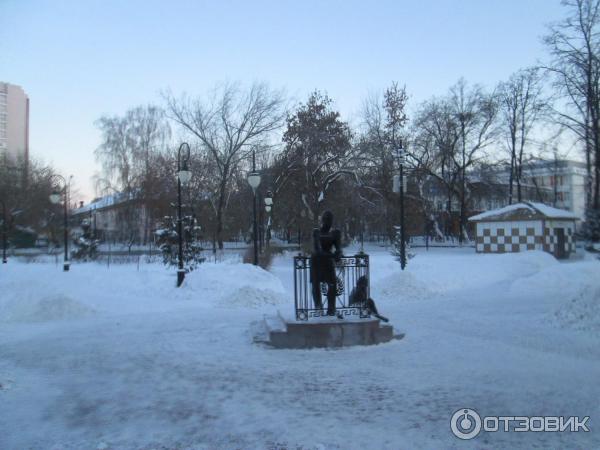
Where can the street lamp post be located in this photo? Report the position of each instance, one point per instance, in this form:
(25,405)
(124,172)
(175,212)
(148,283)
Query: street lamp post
(254,182)
(95,229)
(4,232)
(55,198)
(401,155)
(268,206)
(183,177)
(362,234)
(261,225)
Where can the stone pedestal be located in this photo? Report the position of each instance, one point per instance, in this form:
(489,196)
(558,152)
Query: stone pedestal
(323,332)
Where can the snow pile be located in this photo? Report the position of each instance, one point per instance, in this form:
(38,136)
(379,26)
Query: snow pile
(433,274)
(401,286)
(570,293)
(582,312)
(553,278)
(44,309)
(234,284)
(41,293)
(453,272)
(254,297)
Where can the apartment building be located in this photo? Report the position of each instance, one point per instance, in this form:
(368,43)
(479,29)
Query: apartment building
(14,123)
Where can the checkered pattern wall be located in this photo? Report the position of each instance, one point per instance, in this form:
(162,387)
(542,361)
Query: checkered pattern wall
(551,238)
(505,237)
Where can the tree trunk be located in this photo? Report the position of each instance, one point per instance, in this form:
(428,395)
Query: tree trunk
(597,179)
(448,225)
(596,141)
(463,186)
(519,172)
(511,178)
(219,233)
(221,205)
(463,212)
(520,159)
(513,158)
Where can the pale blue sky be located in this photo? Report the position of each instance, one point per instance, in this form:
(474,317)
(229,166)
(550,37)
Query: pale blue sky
(78,60)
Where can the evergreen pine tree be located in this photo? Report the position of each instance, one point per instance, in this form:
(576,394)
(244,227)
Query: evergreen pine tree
(168,242)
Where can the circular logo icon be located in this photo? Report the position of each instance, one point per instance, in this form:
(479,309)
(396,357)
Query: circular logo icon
(465,423)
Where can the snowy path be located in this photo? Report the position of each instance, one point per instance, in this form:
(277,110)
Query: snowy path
(139,364)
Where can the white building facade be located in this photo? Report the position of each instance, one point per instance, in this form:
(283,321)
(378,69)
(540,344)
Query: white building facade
(115,217)
(565,180)
(559,183)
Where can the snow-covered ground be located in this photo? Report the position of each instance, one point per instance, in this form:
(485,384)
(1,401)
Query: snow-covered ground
(117,357)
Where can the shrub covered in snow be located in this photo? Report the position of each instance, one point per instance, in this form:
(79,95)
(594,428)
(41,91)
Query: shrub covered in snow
(86,246)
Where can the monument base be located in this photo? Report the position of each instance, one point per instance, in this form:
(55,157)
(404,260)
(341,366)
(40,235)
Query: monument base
(323,332)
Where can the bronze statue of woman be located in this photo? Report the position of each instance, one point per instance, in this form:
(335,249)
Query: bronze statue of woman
(322,262)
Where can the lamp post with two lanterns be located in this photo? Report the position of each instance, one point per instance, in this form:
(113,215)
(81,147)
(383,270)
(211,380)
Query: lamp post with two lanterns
(184,175)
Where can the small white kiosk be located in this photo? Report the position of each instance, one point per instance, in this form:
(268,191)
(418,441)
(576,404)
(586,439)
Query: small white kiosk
(526,226)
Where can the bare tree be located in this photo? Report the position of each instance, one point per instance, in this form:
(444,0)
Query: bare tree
(475,112)
(451,134)
(227,126)
(130,146)
(574,45)
(435,145)
(522,104)
(384,130)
